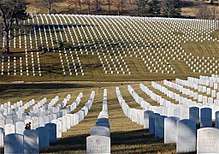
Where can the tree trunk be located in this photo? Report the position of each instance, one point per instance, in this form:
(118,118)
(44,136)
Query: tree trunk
(80,6)
(7,42)
(49,7)
(88,6)
(109,6)
(97,6)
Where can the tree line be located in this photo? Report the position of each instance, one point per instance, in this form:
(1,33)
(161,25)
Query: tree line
(168,8)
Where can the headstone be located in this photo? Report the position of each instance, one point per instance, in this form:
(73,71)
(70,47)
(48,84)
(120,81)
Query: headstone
(68,121)
(31,142)
(194,114)
(14,144)
(19,127)
(98,144)
(217,119)
(51,127)
(58,124)
(9,120)
(35,122)
(43,134)
(2,122)
(152,123)
(64,123)
(206,117)
(184,111)
(159,126)
(103,122)
(100,131)
(9,129)
(146,119)
(208,141)
(186,136)
(170,129)
(2,134)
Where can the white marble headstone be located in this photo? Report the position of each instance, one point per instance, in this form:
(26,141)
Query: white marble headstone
(170,129)
(14,144)
(19,127)
(31,142)
(9,129)
(43,134)
(186,136)
(98,144)
(206,117)
(208,141)
(2,134)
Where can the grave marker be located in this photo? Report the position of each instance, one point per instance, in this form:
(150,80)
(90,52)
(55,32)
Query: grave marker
(98,144)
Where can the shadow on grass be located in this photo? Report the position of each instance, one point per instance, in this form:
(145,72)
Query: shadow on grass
(78,143)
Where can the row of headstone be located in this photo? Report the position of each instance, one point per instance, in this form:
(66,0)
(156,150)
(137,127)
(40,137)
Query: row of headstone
(136,115)
(99,140)
(113,27)
(182,132)
(29,140)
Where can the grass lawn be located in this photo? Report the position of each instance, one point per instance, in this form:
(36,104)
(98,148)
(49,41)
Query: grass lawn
(126,136)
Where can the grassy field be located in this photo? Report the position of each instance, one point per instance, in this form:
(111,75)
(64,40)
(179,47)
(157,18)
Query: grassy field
(126,136)
(83,48)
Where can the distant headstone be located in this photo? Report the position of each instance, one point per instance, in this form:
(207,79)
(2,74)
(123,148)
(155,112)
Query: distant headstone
(9,129)
(35,122)
(186,136)
(2,122)
(208,141)
(98,144)
(64,123)
(31,142)
(43,134)
(41,121)
(184,111)
(100,131)
(194,114)
(14,144)
(9,120)
(206,117)
(68,121)
(19,127)
(170,129)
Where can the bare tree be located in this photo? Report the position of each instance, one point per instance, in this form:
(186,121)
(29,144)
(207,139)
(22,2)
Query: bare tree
(97,4)
(120,5)
(76,5)
(50,5)
(170,8)
(109,6)
(11,12)
(205,12)
(89,6)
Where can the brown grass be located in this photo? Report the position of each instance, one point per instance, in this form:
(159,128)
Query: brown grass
(126,136)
